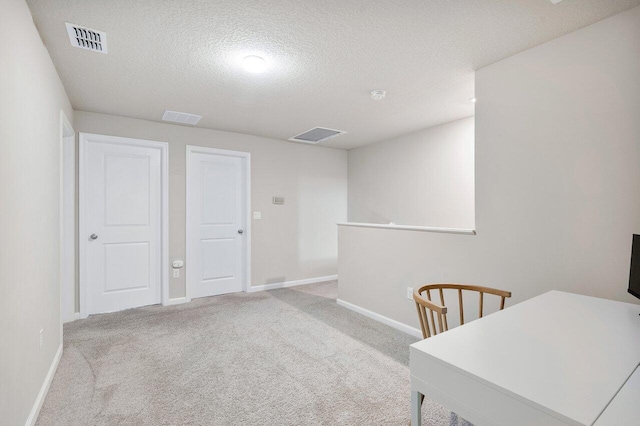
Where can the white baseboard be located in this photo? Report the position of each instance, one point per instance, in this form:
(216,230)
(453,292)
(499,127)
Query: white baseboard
(291,283)
(33,416)
(381,318)
(71,318)
(175,301)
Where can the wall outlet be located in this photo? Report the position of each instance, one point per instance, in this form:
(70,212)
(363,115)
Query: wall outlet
(176,273)
(41,337)
(257,215)
(410,293)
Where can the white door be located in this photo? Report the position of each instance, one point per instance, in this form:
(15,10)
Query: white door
(216,217)
(121,223)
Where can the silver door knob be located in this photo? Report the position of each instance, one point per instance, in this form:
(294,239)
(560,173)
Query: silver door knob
(93,237)
(240,231)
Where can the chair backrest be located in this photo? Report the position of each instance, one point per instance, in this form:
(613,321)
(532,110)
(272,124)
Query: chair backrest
(422,297)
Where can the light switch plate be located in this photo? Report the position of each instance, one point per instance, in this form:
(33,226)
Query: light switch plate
(257,215)
(409,293)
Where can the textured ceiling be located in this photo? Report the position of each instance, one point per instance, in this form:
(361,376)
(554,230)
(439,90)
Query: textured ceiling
(324,57)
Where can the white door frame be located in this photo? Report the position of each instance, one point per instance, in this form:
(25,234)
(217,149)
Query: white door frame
(246,157)
(67,221)
(82,192)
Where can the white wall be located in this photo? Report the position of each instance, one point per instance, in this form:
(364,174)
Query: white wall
(424,178)
(31,96)
(294,241)
(557,182)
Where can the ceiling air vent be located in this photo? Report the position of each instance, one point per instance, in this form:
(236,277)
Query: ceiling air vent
(86,38)
(316,135)
(181,117)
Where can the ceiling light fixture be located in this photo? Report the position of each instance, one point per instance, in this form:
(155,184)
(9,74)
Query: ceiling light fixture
(378,95)
(473,100)
(254,64)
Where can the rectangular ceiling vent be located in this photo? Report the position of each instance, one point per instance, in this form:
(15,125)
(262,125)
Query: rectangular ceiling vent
(86,38)
(181,117)
(317,135)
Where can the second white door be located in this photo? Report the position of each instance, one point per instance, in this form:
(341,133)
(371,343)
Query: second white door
(216,221)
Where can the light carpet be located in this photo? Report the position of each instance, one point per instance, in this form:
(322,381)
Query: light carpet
(281,357)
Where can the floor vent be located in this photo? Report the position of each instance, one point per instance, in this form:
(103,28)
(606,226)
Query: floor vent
(86,38)
(317,135)
(181,117)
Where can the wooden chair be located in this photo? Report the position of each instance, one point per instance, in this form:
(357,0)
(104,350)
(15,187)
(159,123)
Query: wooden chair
(423,303)
(422,297)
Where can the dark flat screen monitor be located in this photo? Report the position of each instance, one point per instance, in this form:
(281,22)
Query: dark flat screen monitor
(634,275)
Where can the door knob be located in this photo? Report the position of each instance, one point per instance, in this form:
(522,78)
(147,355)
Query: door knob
(93,237)
(240,231)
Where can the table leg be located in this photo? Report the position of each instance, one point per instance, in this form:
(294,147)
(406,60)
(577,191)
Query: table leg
(416,408)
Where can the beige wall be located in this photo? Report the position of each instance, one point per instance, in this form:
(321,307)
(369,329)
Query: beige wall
(293,241)
(425,178)
(557,182)
(31,96)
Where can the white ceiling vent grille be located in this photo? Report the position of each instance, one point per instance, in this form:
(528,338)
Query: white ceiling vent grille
(181,117)
(317,135)
(86,38)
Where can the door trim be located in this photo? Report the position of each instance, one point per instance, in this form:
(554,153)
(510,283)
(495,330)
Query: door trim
(67,217)
(164,220)
(246,156)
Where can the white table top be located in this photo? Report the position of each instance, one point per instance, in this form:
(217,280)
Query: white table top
(564,354)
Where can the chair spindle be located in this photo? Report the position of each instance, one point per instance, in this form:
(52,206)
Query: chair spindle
(446,326)
(461,308)
(433,320)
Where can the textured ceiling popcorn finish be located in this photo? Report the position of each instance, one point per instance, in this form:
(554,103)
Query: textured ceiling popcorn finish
(323,57)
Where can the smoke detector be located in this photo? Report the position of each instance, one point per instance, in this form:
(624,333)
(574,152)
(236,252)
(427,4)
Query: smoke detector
(317,135)
(86,38)
(378,95)
(181,117)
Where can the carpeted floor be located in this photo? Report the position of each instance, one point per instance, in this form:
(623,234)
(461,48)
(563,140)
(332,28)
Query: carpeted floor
(282,357)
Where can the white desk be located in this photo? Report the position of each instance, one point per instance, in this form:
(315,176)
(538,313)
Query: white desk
(556,359)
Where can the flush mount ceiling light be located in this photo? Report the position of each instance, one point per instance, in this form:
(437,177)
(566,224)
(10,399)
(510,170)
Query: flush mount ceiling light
(378,95)
(254,64)
(473,100)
